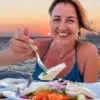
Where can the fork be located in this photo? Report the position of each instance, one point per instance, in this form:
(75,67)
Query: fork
(30,80)
(34,48)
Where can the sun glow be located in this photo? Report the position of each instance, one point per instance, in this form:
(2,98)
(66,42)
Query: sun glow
(49,33)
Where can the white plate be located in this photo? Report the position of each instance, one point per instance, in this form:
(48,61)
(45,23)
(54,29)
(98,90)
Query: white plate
(95,87)
(11,84)
(12,81)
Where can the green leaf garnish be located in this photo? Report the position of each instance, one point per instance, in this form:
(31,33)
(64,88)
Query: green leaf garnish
(44,73)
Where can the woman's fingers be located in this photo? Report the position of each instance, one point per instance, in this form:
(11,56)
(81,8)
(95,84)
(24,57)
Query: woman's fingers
(19,54)
(20,49)
(20,45)
(25,31)
(23,37)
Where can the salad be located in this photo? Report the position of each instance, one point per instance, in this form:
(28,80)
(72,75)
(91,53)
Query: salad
(61,90)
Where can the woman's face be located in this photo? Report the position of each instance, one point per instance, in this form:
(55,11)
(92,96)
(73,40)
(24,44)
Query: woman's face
(64,23)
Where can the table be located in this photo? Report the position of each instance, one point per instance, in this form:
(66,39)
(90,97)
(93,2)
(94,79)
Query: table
(95,87)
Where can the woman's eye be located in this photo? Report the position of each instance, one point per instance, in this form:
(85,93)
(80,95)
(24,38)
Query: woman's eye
(71,21)
(56,20)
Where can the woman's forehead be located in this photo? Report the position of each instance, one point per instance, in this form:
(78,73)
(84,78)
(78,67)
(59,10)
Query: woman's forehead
(64,10)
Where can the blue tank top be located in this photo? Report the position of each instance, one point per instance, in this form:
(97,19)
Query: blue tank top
(74,75)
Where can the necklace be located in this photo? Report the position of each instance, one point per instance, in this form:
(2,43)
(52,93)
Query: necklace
(61,55)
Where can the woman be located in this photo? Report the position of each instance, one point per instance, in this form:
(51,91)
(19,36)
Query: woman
(67,17)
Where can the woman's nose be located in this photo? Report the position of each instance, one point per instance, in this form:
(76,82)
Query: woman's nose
(63,26)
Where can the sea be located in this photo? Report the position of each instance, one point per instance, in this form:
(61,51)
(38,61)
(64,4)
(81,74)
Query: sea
(28,66)
(25,66)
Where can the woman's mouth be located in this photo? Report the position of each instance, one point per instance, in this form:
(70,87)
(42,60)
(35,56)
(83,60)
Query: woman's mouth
(63,34)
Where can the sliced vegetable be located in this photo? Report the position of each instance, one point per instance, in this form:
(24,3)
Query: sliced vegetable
(81,97)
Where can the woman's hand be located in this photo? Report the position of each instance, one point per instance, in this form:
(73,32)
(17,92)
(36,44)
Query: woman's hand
(19,45)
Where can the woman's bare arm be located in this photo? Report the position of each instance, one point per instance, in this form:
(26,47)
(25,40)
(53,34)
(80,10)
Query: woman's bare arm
(7,57)
(19,51)
(92,64)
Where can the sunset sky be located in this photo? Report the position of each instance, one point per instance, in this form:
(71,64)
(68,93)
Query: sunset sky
(33,14)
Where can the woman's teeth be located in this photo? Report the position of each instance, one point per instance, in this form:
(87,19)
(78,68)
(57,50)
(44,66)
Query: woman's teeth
(63,34)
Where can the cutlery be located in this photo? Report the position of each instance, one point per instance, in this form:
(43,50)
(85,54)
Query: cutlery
(30,79)
(38,57)
(34,48)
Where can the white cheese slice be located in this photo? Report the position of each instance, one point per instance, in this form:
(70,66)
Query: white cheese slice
(52,72)
(75,89)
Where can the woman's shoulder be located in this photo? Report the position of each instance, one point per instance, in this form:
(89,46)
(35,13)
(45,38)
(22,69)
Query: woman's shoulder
(87,53)
(87,48)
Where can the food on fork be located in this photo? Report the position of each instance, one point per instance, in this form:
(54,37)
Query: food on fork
(51,73)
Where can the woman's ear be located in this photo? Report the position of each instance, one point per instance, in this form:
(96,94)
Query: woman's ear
(81,34)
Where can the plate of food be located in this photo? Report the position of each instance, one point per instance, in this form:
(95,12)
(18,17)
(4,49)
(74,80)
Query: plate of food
(58,90)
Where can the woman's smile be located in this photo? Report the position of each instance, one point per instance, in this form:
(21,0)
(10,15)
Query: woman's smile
(63,34)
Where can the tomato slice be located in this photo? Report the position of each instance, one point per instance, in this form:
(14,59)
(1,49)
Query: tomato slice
(41,96)
(45,95)
(57,96)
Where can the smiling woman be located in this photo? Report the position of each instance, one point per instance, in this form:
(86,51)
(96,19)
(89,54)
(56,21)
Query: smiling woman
(67,17)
